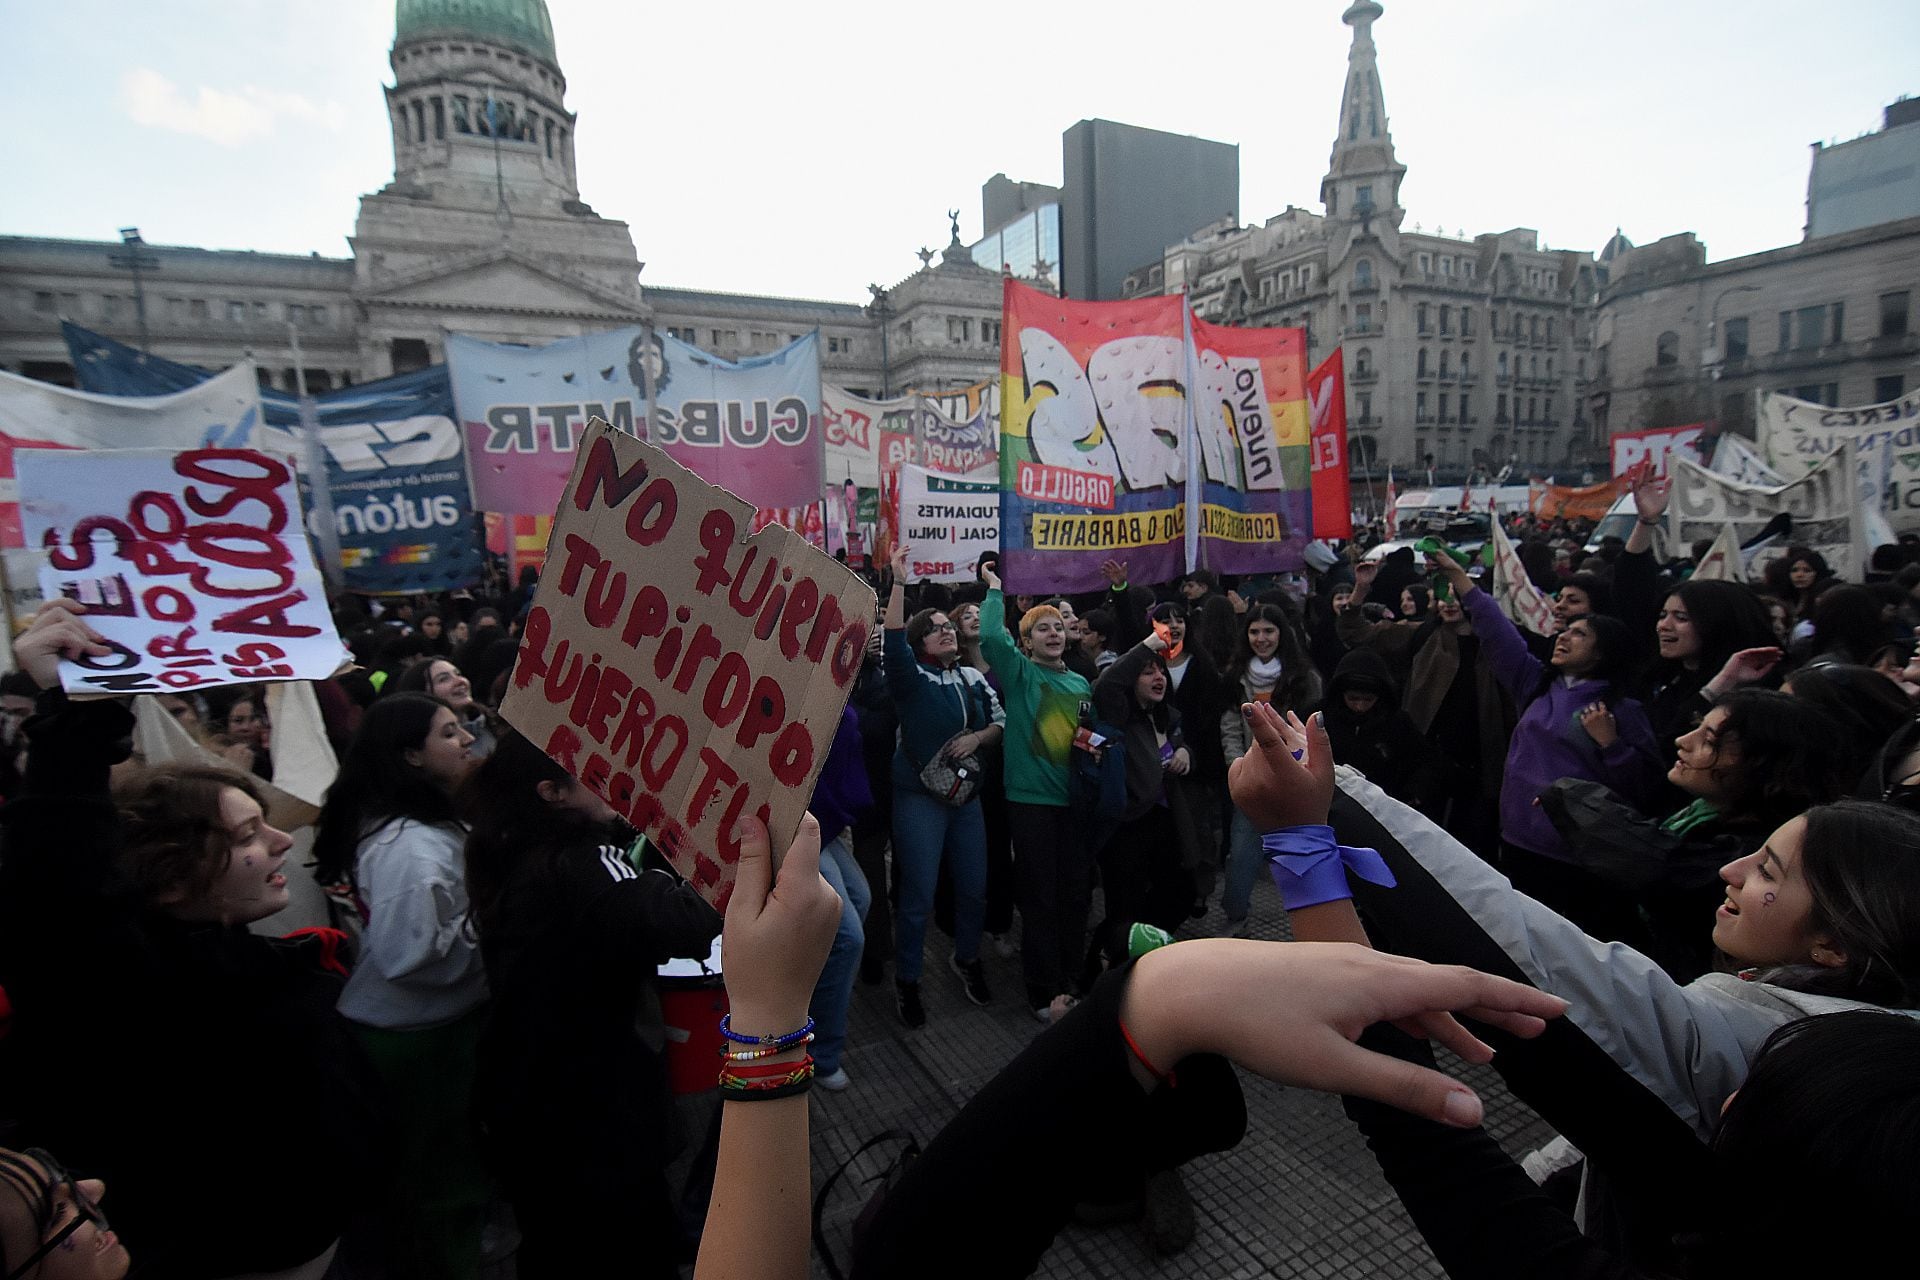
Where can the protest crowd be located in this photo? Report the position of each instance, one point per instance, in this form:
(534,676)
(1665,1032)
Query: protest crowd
(1675,830)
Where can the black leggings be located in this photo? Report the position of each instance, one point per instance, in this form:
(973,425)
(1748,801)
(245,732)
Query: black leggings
(1053,881)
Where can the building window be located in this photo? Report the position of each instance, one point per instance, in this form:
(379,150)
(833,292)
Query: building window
(1891,387)
(1666,350)
(1306,278)
(1466,363)
(1420,317)
(1363,361)
(1809,328)
(1446,265)
(197,308)
(959,329)
(1466,323)
(439,120)
(1893,318)
(1366,408)
(1363,273)
(1420,408)
(1827,393)
(317,317)
(43,300)
(1420,369)
(1500,407)
(721,337)
(236,313)
(1425,261)
(1363,198)
(410,354)
(462,113)
(1736,336)
(1502,364)
(1549,368)
(1549,330)
(1363,318)
(1443,362)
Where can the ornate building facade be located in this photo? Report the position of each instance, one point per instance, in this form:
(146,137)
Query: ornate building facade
(483,232)
(1463,355)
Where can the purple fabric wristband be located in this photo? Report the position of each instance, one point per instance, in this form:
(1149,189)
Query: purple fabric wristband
(1309,868)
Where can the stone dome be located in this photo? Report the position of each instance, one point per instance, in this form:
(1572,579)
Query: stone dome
(517,24)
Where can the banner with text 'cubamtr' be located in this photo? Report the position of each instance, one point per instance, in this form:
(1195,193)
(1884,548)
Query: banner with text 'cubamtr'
(524,409)
(750,426)
(1251,420)
(1093,409)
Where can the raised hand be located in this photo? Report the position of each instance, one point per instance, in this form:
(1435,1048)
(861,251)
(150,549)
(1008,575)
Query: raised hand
(897,562)
(1650,494)
(1115,571)
(1600,725)
(1743,668)
(779,930)
(57,631)
(1272,786)
(988,576)
(1238,601)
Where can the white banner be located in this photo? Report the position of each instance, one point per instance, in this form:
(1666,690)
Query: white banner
(1514,591)
(194,566)
(1797,434)
(852,426)
(222,411)
(1737,460)
(1723,561)
(1824,505)
(946,524)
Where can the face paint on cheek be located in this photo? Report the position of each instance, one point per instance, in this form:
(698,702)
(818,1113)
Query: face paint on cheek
(1766,899)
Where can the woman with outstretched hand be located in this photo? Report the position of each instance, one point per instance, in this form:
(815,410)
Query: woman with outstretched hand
(156,1043)
(1824,917)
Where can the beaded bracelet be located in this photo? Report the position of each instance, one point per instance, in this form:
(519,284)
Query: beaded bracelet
(766,1076)
(786,1041)
(768,1052)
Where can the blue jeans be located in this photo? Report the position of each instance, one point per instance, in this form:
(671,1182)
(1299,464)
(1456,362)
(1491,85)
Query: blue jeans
(1245,857)
(834,990)
(924,831)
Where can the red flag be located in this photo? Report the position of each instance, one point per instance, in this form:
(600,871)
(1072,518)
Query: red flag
(1327,403)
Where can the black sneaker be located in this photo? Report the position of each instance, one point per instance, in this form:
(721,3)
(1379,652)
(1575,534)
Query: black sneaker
(906,996)
(973,977)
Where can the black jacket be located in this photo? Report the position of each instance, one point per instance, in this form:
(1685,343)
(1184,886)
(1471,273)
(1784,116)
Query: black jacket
(1383,743)
(573,1057)
(199,1069)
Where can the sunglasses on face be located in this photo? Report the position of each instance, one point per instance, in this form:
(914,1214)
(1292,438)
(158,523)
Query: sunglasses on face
(84,1211)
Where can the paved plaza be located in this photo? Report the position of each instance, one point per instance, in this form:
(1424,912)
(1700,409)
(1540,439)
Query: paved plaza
(1300,1196)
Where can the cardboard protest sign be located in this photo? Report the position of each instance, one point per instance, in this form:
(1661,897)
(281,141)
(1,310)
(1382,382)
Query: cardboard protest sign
(194,565)
(946,524)
(1824,505)
(687,672)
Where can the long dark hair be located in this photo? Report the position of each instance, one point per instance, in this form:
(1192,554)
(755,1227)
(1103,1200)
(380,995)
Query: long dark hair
(1727,616)
(508,822)
(1861,861)
(1296,668)
(1832,1109)
(1791,756)
(376,784)
(1868,706)
(1846,622)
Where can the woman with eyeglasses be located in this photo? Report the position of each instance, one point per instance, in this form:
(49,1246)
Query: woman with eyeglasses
(948,712)
(156,1042)
(51,1226)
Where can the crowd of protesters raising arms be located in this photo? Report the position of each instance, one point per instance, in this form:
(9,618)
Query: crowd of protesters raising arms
(1664,860)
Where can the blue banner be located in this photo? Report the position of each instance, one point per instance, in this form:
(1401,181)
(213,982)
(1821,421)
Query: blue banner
(402,504)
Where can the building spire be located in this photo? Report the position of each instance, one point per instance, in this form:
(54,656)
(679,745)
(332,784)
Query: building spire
(1363,175)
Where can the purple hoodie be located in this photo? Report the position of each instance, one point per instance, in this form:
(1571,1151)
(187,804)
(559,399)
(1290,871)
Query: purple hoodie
(842,793)
(1548,742)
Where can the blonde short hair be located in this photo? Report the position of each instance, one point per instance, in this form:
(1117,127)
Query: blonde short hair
(1036,615)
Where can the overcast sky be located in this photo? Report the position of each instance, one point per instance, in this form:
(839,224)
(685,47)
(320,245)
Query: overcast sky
(809,148)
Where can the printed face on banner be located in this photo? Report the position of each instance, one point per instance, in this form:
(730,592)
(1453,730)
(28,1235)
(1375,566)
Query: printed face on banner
(193,565)
(1093,411)
(687,673)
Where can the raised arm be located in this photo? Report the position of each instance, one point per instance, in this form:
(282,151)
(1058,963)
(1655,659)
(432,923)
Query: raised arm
(1501,644)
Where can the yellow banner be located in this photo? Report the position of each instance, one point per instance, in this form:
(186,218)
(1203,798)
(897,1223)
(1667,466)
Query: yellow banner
(1120,531)
(1239,526)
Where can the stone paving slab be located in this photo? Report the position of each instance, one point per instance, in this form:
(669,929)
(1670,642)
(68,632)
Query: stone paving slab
(1299,1197)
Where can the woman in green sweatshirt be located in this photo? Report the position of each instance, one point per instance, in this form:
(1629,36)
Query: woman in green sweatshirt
(1053,866)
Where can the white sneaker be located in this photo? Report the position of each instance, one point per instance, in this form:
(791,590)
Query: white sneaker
(834,1081)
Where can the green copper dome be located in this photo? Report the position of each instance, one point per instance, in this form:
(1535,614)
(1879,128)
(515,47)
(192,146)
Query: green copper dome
(517,24)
